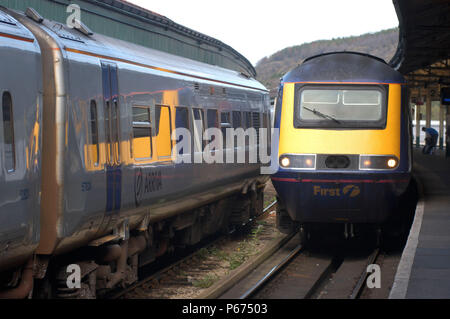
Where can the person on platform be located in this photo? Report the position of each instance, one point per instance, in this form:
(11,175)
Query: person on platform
(447,141)
(431,139)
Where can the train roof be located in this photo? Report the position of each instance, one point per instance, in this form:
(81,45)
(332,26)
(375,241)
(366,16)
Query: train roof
(352,67)
(81,46)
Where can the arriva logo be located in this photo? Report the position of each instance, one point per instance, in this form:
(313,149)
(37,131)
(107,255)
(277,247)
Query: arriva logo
(349,190)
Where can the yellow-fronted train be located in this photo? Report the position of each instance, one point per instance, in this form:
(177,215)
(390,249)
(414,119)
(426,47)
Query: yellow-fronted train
(344,149)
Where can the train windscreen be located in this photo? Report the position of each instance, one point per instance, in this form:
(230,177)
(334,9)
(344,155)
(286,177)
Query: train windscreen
(351,106)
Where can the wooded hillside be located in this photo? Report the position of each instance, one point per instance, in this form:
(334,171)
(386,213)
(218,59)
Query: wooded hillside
(382,44)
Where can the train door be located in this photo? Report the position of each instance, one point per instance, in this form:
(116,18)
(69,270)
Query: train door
(113,167)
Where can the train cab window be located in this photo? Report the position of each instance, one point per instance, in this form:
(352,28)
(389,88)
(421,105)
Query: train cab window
(142,133)
(163,131)
(352,106)
(199,127)
(225,122)
(8,132)
(93,126)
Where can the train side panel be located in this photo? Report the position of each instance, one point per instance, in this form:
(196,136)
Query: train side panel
(97,183)
(20,147)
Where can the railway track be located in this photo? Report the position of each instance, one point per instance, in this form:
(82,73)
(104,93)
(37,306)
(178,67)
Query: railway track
(250,292)
(361,284)
(190,258)
(297,273)
(290,271)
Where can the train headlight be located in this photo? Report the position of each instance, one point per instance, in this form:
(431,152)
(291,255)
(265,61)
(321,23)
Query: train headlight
(298,161)
(285,161)
(392,162)
(377,162)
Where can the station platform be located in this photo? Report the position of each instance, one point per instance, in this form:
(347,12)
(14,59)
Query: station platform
(424,269)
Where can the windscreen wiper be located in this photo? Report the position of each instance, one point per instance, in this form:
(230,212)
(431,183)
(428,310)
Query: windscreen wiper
(325,116)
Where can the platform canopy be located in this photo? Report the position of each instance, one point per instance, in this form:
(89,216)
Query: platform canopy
(125,21)
(423,53)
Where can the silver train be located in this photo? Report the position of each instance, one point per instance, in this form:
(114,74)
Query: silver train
(86,172)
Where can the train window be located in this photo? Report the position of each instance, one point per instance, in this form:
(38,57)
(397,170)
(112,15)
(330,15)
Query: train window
(164,131)
(108,131)
(225,118)
(199,126)
(237,123)
(93,125)
(247,124)
(212,120)
(115,126)
(142,133)
(351,106)
(225,122)
(247,119)
(8,132)
(362,98)
(181,117)
(237,119)
(181,121)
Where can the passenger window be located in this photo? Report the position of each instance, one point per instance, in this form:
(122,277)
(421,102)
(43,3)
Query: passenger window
(182,117)
(8,132)
(225,122)
(199,125)
(142,133)
(94,147)
(247,119)
(213,120)
(237,121)
(181,121)
(164,131)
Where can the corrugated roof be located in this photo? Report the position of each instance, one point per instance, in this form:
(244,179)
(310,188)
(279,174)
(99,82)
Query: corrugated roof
(126,21)
(424,34)
(153,17)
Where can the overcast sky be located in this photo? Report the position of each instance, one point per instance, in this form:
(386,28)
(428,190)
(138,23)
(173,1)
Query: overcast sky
(259,28)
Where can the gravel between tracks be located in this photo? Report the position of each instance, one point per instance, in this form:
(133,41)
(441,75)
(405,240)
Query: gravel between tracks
(194,276)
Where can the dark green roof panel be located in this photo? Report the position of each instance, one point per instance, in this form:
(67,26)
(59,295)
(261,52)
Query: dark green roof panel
(125,21)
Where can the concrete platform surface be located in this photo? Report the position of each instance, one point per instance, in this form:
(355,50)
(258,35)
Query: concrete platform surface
(424,270)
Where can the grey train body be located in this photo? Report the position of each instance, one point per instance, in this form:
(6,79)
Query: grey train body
(76,180)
